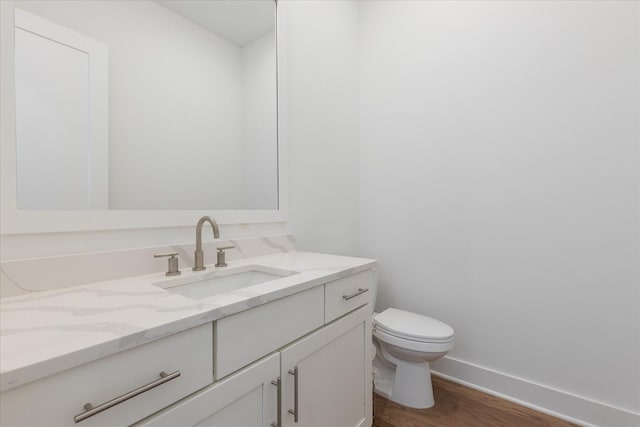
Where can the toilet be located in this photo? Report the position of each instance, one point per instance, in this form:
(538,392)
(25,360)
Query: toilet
(405,343)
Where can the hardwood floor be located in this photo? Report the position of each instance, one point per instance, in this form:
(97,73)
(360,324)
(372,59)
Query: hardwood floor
(460,406)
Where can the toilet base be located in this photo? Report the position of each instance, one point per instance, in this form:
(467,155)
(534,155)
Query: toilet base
(407,383)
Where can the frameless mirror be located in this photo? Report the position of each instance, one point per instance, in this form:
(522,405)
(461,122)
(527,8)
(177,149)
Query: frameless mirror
(146,105)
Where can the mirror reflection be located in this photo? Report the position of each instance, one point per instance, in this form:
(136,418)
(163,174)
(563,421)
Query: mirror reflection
(142,104)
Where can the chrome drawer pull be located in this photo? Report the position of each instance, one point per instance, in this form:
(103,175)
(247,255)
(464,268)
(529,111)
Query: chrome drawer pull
(294,412)
(278,384)
(91,410)
(360,292)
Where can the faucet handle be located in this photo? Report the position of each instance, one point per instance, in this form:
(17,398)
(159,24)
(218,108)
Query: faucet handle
(221,256)
(172,269)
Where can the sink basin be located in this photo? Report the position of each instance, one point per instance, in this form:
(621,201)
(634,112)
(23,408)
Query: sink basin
(222,281)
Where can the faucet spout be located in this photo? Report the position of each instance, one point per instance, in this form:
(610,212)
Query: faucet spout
(199,253)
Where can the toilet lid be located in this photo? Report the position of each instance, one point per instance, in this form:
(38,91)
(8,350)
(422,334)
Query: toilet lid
(412,326)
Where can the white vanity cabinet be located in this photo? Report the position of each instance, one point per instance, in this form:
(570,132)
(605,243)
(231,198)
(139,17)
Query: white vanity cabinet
(347,294)
(330,361)
(247,336)
(245,399)
(332,368)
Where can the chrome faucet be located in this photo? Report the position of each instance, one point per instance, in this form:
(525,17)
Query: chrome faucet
(199,253)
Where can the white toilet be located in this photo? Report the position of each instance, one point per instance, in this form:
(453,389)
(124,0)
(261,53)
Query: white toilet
(405,343)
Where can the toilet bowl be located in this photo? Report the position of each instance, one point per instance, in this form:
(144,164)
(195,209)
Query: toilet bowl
(405,343)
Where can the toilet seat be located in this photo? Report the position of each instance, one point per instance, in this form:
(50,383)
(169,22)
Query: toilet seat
(407,344)
(412,327)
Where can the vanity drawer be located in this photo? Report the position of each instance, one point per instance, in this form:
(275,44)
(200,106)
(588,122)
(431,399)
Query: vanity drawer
(347,294)
(56,400)
(247,336)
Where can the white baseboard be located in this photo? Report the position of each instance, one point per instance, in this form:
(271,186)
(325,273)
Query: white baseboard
(560,404)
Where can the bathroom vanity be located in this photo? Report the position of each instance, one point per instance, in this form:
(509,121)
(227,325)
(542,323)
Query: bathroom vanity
(290,350)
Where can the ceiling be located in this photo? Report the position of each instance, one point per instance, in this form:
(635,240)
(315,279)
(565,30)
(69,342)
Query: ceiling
(239,21)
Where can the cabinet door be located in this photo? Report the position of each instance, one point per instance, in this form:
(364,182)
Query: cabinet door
(245,399)
(333,368)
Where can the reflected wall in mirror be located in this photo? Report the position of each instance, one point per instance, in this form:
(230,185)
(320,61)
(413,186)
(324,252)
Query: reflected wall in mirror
(146,105)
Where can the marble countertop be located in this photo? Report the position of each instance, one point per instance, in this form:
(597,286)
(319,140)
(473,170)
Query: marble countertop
(47,332)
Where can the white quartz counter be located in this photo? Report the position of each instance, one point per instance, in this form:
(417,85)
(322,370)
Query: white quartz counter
(47,332)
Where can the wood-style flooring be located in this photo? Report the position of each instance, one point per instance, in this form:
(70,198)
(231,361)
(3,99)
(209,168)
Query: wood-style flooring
(460,406)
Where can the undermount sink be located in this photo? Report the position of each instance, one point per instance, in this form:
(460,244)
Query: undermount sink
(222,281)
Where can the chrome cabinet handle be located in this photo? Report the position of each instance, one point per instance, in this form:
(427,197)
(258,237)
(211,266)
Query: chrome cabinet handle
(91,410)
(360,292)
(294,412)
(278,384)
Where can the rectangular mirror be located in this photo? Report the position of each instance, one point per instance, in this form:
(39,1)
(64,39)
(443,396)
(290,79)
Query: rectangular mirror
(146,105)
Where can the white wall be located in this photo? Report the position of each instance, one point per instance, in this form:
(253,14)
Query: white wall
(259,124)
(175,104)
(500,186)
(322,84)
